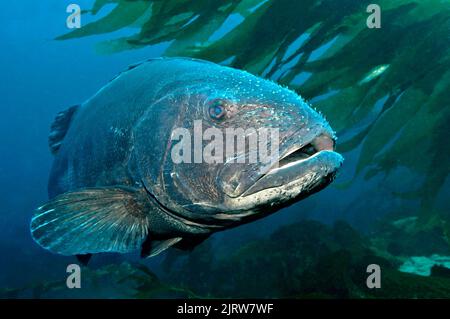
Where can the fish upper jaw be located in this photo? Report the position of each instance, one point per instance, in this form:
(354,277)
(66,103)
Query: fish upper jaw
(298,152)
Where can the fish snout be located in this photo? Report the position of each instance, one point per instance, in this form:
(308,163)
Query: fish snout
(324,142)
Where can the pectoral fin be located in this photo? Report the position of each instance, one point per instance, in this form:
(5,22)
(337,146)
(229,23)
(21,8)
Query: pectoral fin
(93,220)
(60,127)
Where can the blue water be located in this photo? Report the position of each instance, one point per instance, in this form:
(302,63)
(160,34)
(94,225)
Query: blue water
(40,77)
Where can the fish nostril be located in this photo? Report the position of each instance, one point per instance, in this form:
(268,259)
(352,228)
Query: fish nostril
(323,142)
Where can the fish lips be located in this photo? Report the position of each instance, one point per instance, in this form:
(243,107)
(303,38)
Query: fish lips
(306,174)
(305,152)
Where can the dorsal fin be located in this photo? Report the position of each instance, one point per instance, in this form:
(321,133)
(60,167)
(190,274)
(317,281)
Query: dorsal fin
(59,128)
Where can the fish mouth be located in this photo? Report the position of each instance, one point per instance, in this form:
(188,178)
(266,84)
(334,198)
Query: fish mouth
(301,167)
(297,154)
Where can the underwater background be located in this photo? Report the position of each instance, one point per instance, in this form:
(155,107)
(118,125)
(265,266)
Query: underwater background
(385,91)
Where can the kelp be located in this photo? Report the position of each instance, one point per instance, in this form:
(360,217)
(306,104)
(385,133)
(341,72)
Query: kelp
(403,234)
(386,91)
(304,260)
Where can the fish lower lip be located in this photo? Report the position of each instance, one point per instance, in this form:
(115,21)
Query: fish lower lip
(321,163)
(236,183)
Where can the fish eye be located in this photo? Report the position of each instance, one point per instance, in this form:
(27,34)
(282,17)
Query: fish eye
(217,110)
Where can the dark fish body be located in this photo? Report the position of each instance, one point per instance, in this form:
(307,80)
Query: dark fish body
(115,188)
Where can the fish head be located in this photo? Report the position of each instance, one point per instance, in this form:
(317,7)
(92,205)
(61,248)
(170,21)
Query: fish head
(242,147)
